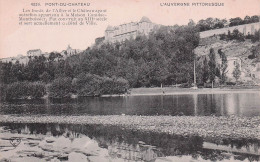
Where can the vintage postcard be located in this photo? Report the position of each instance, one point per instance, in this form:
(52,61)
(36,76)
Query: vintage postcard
(129,80)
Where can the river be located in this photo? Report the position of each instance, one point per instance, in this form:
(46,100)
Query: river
(81,142)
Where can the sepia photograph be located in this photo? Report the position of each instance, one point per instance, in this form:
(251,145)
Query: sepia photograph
(129,80)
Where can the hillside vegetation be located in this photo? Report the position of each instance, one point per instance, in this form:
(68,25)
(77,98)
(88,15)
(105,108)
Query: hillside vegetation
(247,50)
(165,57)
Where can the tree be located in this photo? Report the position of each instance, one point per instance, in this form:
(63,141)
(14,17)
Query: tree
(203,26)
(223,66)
(52,56)
(17,70)
(247,20)
(235,21)
(210,22)
(45,77)
(205,74)
(256,36)
(254,19)
(237,35)
(163,57)
(61,87)
(218,23)
(212,65)
(191,23)
(237,72)
(68,69)
(6,73)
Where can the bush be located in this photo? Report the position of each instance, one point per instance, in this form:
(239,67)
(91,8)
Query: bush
(60,87)
(16,90)
(87,85)
(235,35)
(37,90)
(120,85)
(223,37)
(251,56)
(2,92)
(94,85)
(22,90)
(230,83)
(256,36)
(114,85)
(45,77)
(185,85)
(107,85)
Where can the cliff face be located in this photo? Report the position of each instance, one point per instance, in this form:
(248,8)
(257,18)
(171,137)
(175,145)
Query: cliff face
(246,51)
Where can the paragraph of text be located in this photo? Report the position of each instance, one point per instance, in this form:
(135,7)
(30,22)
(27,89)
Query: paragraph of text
(62,17)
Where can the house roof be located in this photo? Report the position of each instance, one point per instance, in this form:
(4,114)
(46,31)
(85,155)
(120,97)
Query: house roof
(109,28)
(145,19)
(34,50)
(68,48)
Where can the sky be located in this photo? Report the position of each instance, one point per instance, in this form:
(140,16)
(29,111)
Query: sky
(17,39)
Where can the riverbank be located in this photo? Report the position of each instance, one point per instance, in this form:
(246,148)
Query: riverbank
(179,91)
(203,126)
(27,90)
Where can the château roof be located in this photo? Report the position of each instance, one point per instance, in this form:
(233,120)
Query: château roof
(145,19)
(69,47)
(109,28)
(34,50)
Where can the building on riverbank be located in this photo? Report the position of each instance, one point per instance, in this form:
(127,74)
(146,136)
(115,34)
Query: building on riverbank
(232,62)
(256,71)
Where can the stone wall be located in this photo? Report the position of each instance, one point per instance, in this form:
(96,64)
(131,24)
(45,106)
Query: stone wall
(245,29)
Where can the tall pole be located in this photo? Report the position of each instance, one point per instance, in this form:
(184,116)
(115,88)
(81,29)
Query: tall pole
(194,70)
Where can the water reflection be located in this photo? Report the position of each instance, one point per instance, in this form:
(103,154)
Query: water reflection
(111,143)
(247,149)
(139,152)
(246,104)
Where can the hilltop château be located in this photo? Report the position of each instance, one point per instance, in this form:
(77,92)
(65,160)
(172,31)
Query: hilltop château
(70,51)
(126,31)
(34,52)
